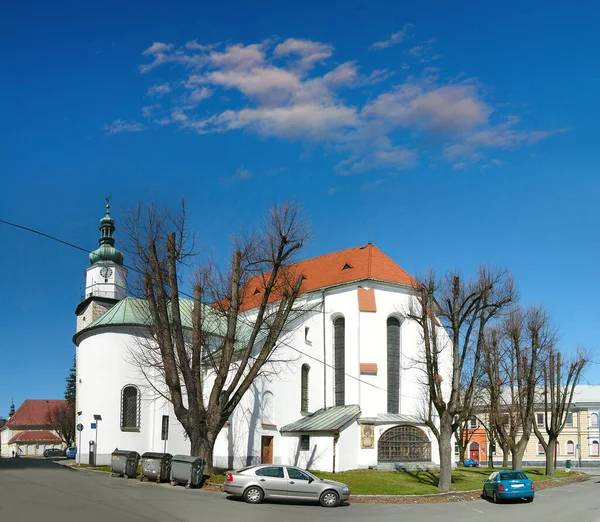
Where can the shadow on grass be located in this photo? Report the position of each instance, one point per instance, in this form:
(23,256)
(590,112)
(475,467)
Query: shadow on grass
(423,476)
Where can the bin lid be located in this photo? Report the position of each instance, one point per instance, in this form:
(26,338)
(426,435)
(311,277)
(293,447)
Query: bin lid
(154,455)
(187,458)
(125,453)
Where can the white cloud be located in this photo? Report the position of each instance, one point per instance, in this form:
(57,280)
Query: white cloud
(394,39)
(158,48)
(274,89)
(148,110)
(159,90)
(118,126)
(309,52)
(241,174)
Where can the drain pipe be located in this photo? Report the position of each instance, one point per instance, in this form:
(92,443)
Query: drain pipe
(335,441)
(324,353)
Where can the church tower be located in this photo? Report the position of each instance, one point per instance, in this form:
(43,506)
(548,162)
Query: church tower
(105,278)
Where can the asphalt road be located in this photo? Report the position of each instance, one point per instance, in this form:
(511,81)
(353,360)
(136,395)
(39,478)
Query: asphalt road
(35,489)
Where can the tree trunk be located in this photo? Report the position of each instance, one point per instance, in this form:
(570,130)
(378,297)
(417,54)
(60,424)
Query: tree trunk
(517,457)
(550,457)
(203,446)
(491,454)
(446,452)
(505,452)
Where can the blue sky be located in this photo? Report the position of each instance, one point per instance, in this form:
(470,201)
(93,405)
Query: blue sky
(450,134)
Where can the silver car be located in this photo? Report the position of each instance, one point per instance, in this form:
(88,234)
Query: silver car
(267,481)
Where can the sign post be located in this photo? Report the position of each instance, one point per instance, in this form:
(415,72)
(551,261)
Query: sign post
(164,432)
(79,429)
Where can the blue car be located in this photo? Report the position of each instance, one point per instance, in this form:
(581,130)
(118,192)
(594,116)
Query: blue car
(71,452)
(471,463)
(504,485)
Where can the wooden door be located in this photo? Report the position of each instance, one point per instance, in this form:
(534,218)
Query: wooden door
(474,453)
(266,450)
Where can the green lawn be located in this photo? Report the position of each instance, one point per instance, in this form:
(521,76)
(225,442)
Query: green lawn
(371,482)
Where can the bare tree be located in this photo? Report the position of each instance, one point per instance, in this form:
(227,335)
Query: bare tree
(62,420)
(558,387)
(527,337)
(452,315)
(207,362)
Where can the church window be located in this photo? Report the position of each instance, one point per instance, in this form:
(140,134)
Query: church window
(339,348)
(304,442)
(393,365)
(267,416)
(304,388)
(130,408)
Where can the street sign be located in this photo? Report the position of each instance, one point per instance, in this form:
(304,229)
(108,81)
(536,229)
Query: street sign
(164,434)
(80,427)
(94,425)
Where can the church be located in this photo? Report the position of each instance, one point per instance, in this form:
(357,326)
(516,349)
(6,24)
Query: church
(349,397)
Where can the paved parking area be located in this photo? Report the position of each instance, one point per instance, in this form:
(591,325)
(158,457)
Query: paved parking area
(37,489)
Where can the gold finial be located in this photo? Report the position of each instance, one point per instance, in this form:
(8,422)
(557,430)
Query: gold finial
(108,203)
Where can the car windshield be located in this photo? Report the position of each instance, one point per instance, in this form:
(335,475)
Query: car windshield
(513,475)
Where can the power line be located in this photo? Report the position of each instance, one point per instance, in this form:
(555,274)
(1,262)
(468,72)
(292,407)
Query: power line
(72,245)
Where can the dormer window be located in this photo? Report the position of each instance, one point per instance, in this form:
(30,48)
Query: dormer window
(346,267)
(257,291)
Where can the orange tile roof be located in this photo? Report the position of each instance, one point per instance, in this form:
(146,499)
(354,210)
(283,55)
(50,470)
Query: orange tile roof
(366,300)
(345,266)
(34,413)
(368,367)
(35,436)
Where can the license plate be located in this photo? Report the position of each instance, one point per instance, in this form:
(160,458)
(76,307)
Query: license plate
(518,485)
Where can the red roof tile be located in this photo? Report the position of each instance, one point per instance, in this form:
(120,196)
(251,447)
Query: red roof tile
(345,266)
(34,413)
(366,300)
(368,367)
(34,436)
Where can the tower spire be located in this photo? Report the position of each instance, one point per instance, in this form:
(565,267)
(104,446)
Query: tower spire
(106,251)
(12,408)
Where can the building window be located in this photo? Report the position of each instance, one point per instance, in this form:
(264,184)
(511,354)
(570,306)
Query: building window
(267,408)
(594,449)
(570,448)
(304,442)
(130,408)
(404,444)
(594,420)
(339,349)
(540,419)
(306,330)
(456,449)
(569,423)
(393,365)
(473,421)
(304,388)
(540,449)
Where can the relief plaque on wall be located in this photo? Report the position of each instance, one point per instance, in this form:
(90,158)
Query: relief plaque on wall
(367,436)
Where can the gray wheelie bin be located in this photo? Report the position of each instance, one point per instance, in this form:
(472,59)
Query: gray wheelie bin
(124,463)
(156,466)
(187,470)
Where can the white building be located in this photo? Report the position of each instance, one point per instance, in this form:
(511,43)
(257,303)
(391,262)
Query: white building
(348,399)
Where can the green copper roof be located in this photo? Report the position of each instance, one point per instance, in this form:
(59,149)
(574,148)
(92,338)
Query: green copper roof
(330,420)
(136,312)
(106,252)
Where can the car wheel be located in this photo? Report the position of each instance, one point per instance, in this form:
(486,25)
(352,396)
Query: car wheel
(329,498)
(253,495)
(495,498)
(483,495)
(529,499)
(125,476)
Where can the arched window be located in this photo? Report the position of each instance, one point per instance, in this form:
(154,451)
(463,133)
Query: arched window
(393,365)
(130,408)
(570,447)
(594,449)
(403,444)
(304,388)
(594,420)
(339,355)
(268,407)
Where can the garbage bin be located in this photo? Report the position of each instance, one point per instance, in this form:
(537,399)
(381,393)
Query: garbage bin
(187,470)
(156,466)
(568,465)
(124,463)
